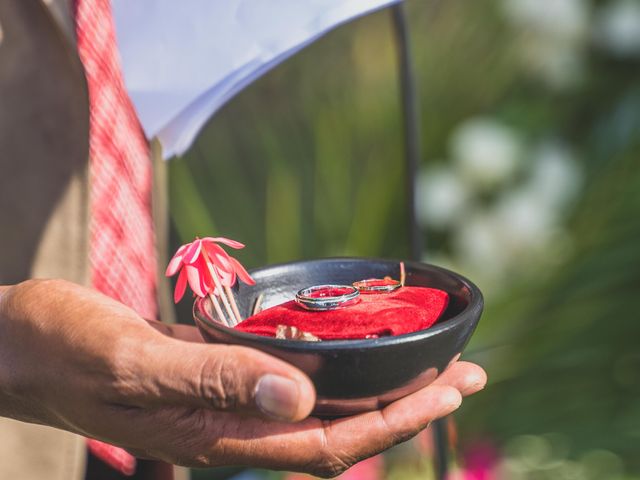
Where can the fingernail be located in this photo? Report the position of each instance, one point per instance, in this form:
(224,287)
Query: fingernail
(476,387)
(472,386)
(277,397)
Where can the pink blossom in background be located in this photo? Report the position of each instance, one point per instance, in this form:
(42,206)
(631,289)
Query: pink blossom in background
(369,469)
(480,462)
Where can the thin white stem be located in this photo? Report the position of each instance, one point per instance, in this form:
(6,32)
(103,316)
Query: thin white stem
(234,305)
(225,302)
(403,274)
(257,306)
(216,306)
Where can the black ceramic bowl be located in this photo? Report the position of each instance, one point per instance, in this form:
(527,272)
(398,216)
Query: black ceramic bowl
(353,376)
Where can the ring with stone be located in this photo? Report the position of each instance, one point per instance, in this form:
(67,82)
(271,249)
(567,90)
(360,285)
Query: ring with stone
(377,285)
(327,297)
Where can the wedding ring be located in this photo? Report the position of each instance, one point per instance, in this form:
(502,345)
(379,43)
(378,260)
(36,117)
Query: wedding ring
(327,297)
(377,285)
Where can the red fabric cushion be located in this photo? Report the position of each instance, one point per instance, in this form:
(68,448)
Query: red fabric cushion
(406,310)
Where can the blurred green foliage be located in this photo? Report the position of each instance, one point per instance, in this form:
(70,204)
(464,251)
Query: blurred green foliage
(308,162)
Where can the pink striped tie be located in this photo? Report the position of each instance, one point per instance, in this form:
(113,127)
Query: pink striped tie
(121,253)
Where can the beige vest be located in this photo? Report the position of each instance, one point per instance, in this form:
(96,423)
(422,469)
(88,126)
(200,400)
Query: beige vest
(44,196)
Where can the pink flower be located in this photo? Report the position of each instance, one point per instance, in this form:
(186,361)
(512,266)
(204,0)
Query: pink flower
(199,260)
(369,469)
(480,462)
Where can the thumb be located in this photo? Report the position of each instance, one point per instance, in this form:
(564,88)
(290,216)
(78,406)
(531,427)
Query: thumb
(228,378)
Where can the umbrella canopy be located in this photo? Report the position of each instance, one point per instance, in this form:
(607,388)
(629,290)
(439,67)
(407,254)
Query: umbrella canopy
(183,60)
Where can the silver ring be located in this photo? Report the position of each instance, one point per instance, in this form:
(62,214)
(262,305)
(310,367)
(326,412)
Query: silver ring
(327,297)
(377,285)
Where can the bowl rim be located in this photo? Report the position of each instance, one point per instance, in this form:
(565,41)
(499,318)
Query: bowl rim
(476,304)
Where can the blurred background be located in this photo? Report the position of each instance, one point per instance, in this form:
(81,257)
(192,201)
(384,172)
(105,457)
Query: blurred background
(529,185)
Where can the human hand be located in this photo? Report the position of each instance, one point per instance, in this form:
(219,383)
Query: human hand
(74,359)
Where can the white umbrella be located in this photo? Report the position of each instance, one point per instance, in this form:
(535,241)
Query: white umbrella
(183,60)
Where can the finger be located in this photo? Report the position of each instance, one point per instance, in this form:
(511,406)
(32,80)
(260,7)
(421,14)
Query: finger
(326,448)
(221,377)
(351,440)
(468,378)
(205,438)
(3,288)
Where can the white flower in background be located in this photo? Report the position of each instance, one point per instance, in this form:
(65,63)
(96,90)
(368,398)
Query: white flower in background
(524,223)
(618,27)
(486,153)
(523,228)
(549,457)
(552,40)
(477,245)
(555,178)
(518,229)
(559,65)
(566,20)
(518,235)
(440,197)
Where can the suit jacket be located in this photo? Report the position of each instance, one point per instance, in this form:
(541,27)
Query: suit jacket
(44,132)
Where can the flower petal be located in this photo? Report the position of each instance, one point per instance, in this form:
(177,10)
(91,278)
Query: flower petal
(242,273)
(218,256)
(193,251)
(181,286)
(206,279)
(176,261)
(196,282)
(225,241)
(227,277)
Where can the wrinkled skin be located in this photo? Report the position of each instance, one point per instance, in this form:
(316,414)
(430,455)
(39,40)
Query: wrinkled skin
(74,359)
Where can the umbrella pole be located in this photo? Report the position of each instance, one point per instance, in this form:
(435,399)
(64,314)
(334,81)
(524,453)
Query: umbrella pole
(411,118)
